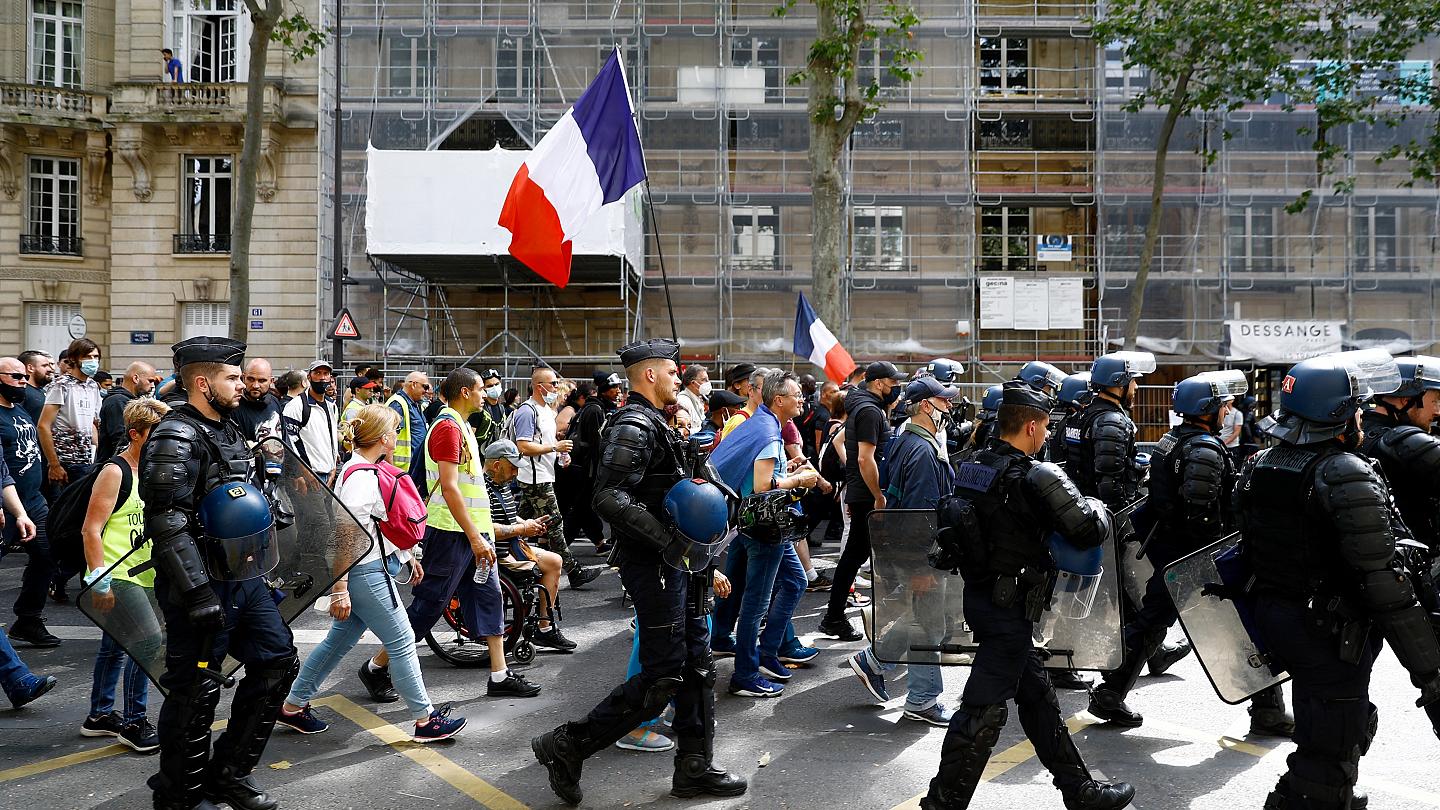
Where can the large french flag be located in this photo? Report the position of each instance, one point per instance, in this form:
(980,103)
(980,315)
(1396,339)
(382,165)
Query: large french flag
(590,158)
(815,342)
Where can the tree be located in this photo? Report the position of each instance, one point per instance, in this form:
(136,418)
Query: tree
(1202,56)
(301,40)
(839,98)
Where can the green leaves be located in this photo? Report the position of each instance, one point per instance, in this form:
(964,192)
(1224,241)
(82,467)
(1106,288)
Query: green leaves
(862,50)
(300,38)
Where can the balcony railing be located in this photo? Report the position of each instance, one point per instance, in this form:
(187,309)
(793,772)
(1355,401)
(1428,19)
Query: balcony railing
(34,99)
(51,245)
(189,101)
(201,243)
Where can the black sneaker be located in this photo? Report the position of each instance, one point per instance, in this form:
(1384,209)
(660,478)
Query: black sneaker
(378,684)
(843,630)
(57,592)
(31,630)
(141,736)
(514,685)
(106,725)
(554,639)
(303,721)
(822,583)
(582,576)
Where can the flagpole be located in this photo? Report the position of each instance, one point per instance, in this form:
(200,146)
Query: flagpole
(650,206)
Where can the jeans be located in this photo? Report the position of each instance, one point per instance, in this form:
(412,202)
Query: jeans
(15,677)
(774,568)
(374,605)
(109,662)
(923,682)
(727,610)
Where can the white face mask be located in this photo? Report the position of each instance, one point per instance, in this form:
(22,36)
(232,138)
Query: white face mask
(493,392)
(552,397)
(705,390)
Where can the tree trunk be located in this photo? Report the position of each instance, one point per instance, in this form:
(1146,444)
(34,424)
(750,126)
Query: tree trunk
(827,249)
(262,24)
(1157,202)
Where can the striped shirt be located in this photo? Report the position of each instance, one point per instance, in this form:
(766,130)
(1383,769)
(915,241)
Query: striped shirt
(502,507)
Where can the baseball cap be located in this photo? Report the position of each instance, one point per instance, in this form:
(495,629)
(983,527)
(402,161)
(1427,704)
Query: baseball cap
(929,388)
(503,448)
(882,370)
(358,383)
(605,380)
(491,374)
(721,398)
(321,364)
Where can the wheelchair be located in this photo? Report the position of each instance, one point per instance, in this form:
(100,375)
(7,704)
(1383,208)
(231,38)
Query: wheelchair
(523,596)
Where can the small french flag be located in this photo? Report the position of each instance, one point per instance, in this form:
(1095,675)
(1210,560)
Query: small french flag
(589,158)
(814,342)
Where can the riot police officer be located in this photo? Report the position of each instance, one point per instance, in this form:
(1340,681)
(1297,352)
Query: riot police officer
(1009,575)
(197,462)
(641,460)
(1317,534)
(1102,463)
(1397,434)
(989,412)
(1072,397)
(1191,476)
(1042,377)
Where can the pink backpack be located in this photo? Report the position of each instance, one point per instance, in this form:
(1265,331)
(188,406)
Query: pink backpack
(404,523)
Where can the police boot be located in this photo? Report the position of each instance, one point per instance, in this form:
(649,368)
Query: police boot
(1094,795)
(563,756)
(1107,701)
(1068,679)
(1168,655)
(968,741)
(1281,798)
(1268,715)
(240,792)
(696,775)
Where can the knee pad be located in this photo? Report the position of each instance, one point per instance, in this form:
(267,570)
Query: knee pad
(702,674)
(658,696)
(277,676)
(1372,727)
(983,723)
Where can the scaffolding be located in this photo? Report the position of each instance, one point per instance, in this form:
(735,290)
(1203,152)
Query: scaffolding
(1014,130)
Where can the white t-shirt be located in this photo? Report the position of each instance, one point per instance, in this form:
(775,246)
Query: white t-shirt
(361,495)
(1230,431)
(320,435)
(535,422)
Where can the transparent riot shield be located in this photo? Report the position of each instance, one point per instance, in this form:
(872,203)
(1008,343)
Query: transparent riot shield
(318,542)
(1234,663)
(919,615)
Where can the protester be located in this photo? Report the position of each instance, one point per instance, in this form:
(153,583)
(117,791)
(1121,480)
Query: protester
(258,414)
(139,381)
(722,405)
(289,385)
(366,597)
(585,461)
(751,390)
(410,445)
(533,431)
(22,458)
(489,420)
(694,392)
(71,416)
(40,371)
(312,423)
(114,527)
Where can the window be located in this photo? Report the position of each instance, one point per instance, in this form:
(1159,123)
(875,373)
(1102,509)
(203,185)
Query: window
(1004,65)
(512,72)
(761,52)
(1375,247)
(879,237)
(208,37)
(198,319)
(1005,238)
(53,208)
(410,66)
(1006,133)
(47,326)
(1251,242)
(754,245)
(1121,83)
(205,205)
(55,43)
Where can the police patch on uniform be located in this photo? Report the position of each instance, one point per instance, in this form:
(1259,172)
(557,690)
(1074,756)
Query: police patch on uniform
(1072,435)
(1286,458)
(1166,444)
(236,492)
(976,476)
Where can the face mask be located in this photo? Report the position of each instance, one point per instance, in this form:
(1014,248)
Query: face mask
(552,397)
(89,367)
(12,393)
(320,386)
(893,395)
(705,390)
(493,392)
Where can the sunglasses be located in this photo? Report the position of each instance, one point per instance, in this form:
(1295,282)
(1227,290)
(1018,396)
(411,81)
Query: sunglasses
(14,375)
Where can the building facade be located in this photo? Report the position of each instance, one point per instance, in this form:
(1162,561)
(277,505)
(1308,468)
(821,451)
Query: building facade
(117,179)
(995,204)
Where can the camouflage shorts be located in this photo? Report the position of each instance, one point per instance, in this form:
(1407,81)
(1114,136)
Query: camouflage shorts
(537,500)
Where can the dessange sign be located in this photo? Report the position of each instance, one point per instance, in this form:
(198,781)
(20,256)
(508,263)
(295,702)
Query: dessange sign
(1283,341)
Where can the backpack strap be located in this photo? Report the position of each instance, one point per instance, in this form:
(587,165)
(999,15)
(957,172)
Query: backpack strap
(355,467)
(127,480)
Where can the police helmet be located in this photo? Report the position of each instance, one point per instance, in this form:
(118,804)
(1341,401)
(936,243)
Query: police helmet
(1319,396)
(1202,394)
(699,510)
(1117,369)
(1040,375)
(1417,375)
(237,520)
(993,396)
(1075,390)
(944,369)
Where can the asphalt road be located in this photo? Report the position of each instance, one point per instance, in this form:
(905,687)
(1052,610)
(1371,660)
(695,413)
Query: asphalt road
(823,744)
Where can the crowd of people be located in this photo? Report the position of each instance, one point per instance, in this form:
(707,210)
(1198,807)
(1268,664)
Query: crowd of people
(508,479)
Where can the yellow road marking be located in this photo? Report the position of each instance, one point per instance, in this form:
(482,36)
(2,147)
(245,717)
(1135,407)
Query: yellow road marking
(77,758)
(432,760)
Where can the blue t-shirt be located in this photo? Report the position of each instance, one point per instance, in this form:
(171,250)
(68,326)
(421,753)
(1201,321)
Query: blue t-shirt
(774,451)
(175,70)
(22,456)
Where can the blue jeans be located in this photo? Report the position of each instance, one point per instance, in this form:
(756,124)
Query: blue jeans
(727,610)
(15,677)
(923,681)
(109,662)
(374,605)
(770,566)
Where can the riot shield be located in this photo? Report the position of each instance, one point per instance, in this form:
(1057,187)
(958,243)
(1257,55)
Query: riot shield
(1231,659)
(318,540)
(918,612)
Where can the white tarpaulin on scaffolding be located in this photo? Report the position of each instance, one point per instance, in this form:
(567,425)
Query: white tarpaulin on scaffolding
(1283,341)
(447,203)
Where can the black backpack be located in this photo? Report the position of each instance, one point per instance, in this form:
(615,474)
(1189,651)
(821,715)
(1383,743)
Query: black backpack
(67,514)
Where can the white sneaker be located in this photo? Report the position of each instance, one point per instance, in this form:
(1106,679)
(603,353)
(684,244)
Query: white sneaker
(861,582)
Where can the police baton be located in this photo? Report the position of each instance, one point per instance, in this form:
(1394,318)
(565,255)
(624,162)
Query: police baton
(203,665)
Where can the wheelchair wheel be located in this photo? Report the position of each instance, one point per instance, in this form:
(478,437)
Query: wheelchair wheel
(524,652)
(455,644)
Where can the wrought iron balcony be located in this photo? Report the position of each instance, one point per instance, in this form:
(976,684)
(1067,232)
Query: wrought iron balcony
(51,245)
(201,243)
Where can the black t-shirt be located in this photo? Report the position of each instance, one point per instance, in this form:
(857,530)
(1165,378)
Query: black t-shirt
(814,417)
(867,424)
(21,443)
(34,402)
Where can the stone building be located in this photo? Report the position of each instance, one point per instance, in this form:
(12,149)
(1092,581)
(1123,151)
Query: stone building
(116,180)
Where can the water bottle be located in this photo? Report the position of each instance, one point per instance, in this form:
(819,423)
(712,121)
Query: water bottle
(482,572)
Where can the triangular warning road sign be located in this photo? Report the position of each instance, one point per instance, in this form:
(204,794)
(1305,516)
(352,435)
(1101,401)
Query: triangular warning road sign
(344,327)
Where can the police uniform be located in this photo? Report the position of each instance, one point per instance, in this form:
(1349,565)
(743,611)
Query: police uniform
(1409,455)
(187,457)
(1018,503)
(641,458)
(1102,464)
(1318,535)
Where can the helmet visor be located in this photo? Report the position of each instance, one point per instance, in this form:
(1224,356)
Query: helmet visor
(1372,371)
(1137,364)
(1427,371)
(242,558)
(1226,383)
